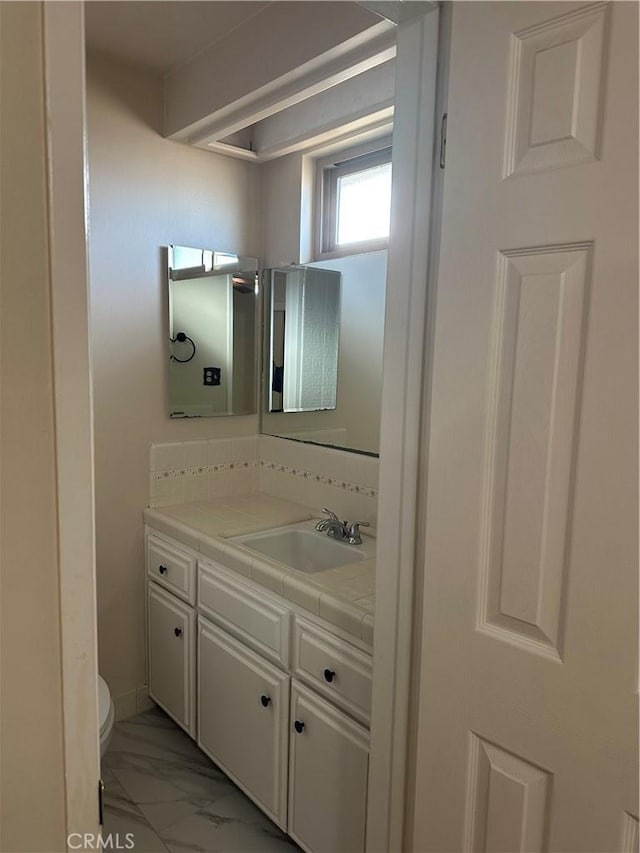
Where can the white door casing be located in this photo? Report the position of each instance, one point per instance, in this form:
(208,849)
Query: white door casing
(526,726)
(400,436)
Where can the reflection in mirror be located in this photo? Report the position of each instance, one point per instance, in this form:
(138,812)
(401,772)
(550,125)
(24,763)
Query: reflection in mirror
(212,333)
(353,419)
(305,326)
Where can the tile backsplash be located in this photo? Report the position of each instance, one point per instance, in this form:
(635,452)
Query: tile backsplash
(347,483)
(186,471)
(318,477)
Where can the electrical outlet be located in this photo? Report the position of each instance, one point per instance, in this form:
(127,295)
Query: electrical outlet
(211,376)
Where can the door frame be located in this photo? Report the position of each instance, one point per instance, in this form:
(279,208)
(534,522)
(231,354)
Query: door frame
(64,73)
(410,306)
(401,431)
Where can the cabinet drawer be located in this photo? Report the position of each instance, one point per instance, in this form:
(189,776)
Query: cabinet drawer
(172,568)
(255,620)
(172,656)
(243,716)
(338,670)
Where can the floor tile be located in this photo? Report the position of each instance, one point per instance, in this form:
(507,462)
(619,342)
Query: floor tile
(161,788)
(232,825)
(124,823)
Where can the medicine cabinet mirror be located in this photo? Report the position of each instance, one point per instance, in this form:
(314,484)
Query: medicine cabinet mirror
(213,333)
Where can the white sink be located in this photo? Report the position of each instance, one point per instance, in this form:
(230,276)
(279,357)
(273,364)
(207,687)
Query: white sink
(303,548)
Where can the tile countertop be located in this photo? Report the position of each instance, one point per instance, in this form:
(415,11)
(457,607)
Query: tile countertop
(343,596)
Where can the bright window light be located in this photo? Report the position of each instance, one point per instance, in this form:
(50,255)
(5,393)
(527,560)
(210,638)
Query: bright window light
(363,205)
(353,200)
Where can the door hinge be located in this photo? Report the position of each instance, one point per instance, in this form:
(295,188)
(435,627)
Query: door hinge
(100,802)
(443,140)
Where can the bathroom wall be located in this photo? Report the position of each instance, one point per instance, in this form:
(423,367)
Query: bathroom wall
(31,736)
(285,237)
(145,192)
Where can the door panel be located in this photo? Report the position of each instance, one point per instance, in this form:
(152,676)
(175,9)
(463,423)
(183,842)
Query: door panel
(243,712)
(328,765)
(172,656)
(526,728)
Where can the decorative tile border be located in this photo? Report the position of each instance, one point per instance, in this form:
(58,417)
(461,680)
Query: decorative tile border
(179,473)
(319,478)
(239,465)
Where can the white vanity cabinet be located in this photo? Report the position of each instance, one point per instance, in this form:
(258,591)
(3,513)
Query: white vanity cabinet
(276,696)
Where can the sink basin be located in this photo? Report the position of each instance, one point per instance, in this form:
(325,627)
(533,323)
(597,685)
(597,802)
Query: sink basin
(304,548)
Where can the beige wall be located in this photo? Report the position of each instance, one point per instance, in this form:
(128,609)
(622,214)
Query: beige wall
(32,769)
(145,192)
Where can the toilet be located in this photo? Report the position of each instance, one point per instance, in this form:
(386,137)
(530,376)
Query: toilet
(107,714)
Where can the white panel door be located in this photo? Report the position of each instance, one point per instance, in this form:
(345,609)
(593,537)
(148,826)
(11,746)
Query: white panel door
(328,766)
(526,730)
(172,656)
(243,715)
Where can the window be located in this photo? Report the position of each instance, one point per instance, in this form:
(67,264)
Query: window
(355,202)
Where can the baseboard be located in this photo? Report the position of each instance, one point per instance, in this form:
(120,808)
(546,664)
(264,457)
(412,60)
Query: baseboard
(133,702)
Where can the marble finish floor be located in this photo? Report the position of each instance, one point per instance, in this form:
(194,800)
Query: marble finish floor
(163,789)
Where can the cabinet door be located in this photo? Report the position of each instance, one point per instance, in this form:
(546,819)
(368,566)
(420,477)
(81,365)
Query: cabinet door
(243,715)
(171,657)
(328,766)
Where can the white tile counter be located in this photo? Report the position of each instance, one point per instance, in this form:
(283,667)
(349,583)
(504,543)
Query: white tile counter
(344,596)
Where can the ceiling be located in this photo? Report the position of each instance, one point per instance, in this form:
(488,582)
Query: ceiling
(161,34)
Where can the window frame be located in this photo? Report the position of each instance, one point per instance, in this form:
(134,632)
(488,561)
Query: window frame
(328,171)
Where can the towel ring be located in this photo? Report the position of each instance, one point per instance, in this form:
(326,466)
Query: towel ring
(181,338)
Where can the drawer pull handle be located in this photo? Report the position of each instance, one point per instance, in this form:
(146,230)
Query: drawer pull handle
(329,675)
(162,570)
(177,632)
(266,701)
(298,726)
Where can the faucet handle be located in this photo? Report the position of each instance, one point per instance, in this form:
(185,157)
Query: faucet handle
(353,531)
(331,515)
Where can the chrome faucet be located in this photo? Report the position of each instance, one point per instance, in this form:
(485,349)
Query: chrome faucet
(341,530)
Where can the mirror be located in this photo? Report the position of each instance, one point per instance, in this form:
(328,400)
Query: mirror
(304,322)
(212,333)
(333,401)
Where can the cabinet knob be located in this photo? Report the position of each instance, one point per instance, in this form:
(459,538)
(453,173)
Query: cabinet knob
(177,632)
(298,726)
(329,675)
(162,570)
(266,701)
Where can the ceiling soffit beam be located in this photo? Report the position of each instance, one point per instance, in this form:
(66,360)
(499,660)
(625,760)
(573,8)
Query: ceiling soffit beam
(367,93)
(320,142)
(372,47)
(370,126)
